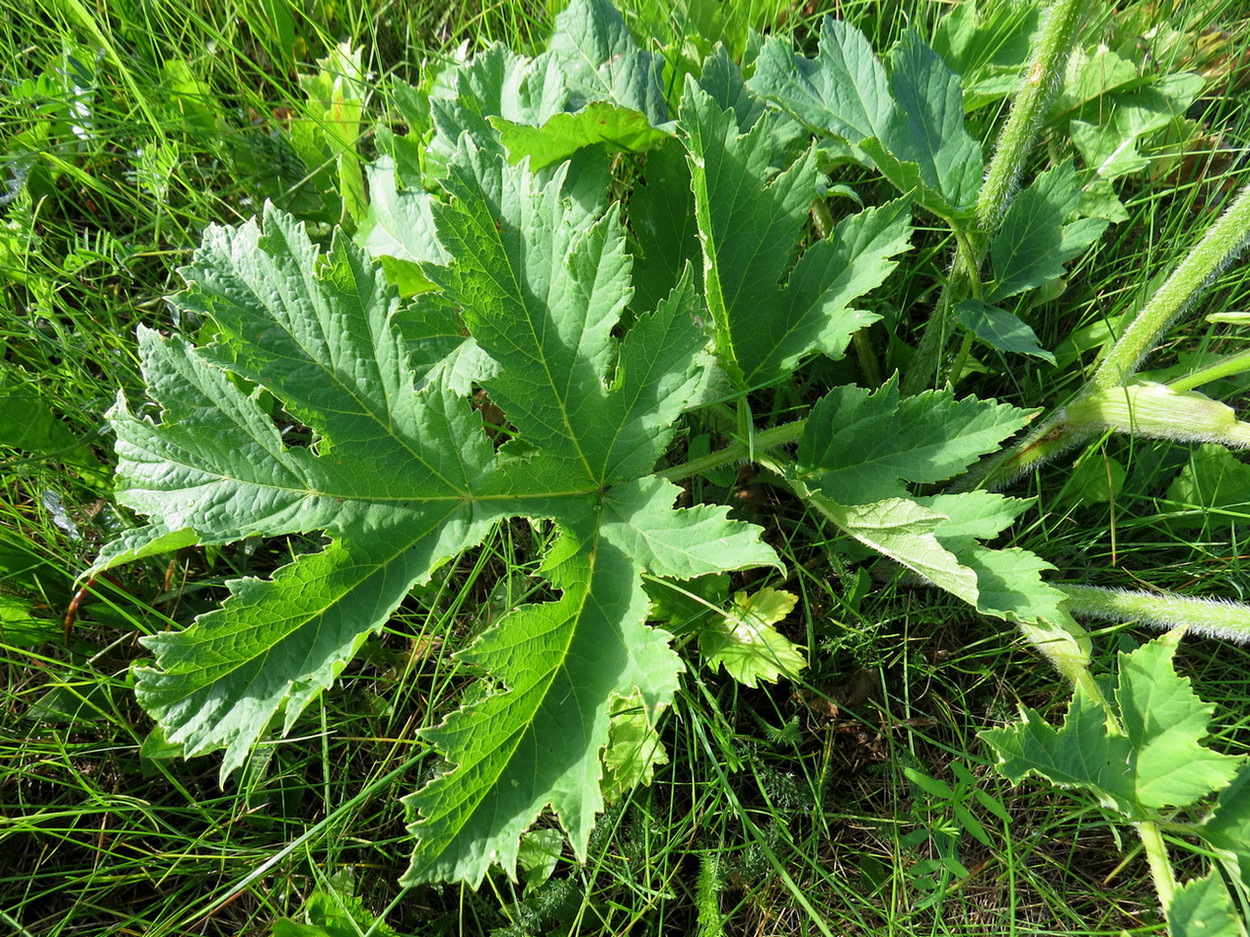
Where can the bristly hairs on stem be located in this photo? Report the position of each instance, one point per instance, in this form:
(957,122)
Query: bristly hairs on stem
(1061,24)
(1222,243)
(1211,618)
(1060,28)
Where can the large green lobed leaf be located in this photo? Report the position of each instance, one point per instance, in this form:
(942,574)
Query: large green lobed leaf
(909,124)
(400,476)
(861,451)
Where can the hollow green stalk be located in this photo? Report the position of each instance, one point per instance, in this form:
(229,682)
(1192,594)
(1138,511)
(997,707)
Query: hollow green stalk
(1042,81)
(1157,859)
(1225,367)
(1212,618)
(737,451)
(1219,247)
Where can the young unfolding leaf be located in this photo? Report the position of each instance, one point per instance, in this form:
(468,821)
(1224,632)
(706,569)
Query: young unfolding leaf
(328,134)
(745,641)
(401,477)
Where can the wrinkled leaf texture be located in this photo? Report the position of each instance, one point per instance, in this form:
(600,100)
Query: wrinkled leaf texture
(909,123)
(401,478)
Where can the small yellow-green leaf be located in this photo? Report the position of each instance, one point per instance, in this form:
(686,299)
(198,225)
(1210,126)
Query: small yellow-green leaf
(564,134)
(540,851)
(746,643)
(634,748)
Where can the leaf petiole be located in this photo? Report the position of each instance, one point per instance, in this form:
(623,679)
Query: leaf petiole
(738,451)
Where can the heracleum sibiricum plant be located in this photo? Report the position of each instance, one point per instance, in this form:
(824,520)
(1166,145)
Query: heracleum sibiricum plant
(498,256)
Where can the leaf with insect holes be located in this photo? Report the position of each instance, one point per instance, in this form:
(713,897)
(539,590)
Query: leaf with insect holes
(634,749)
(400,477)
(746,643)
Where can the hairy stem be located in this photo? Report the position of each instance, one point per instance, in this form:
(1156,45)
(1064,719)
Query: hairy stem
(1219,247)
(736,452)
(1213,618)
(1225,367)
(964,273)
(1060,28)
